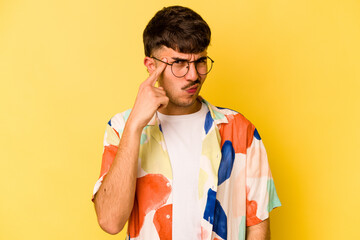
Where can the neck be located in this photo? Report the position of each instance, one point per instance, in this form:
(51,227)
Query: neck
(172,109)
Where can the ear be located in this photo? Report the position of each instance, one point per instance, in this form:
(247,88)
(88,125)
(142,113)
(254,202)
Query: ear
(149,64)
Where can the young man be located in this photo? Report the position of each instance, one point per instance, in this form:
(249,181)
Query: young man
(175,166)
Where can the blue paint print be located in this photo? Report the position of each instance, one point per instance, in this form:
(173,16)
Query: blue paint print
(227,161)
(160,128)
(210,206)
(220,221)
(208,122)
(109,122)
(256,134)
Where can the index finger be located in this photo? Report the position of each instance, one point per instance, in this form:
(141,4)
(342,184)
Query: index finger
(156,73)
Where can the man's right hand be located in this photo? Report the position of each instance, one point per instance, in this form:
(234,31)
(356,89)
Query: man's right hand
(149,99)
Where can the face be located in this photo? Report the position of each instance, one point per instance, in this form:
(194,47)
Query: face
(182,92)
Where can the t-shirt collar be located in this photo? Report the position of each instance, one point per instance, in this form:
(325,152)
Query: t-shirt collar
(215,113)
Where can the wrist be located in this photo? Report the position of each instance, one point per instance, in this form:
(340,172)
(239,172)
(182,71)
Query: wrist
(133,126)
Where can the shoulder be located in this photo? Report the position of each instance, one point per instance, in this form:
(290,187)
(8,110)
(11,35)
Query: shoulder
(238,130)
(230,121)
(118,120)
(234,118)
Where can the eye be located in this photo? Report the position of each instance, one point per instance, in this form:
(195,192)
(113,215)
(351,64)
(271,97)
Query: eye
(202,60)
(179,61)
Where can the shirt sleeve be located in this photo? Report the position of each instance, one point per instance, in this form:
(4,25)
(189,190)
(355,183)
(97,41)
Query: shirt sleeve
(261,196)
(113,131)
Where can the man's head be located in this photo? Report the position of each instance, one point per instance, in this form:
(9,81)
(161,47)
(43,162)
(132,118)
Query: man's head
(178,36)
(179,28)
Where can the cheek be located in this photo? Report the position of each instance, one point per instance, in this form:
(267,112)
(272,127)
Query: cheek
(167,74)
(168,82)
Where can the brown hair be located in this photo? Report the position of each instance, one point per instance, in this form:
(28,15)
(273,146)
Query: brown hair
(179,28)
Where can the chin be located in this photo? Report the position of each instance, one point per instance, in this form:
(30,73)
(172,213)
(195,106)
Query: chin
(185,102)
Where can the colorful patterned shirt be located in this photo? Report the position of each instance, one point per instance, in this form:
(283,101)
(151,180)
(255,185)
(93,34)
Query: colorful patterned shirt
(235,188)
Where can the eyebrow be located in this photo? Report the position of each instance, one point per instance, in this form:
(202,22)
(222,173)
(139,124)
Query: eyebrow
(179,59)
(184,59)
(201,58)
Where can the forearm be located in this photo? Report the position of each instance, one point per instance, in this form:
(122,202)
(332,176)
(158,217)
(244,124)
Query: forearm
(115,198)
(259,231)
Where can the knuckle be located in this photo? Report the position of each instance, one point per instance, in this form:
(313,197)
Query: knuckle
(142,85)
(147,88)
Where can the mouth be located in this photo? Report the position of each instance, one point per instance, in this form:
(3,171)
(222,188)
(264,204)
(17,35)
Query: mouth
(193,89)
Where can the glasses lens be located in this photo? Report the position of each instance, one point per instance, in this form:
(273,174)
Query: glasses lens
(180,68)
(203,66)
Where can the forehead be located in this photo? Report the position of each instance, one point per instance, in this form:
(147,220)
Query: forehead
(169,52)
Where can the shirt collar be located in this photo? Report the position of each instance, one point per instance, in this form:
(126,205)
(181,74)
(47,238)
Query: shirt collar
(215,112)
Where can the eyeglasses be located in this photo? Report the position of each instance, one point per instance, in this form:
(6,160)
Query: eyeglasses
(180,67)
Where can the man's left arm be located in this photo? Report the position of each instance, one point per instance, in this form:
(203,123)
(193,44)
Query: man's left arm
(260,231)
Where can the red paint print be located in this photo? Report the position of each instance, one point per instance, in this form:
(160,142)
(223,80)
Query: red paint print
(152,191)
(163,222)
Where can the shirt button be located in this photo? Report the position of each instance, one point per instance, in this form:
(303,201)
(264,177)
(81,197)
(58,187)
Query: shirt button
(168,216)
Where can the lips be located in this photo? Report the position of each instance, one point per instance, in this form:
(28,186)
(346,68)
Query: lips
(192,89)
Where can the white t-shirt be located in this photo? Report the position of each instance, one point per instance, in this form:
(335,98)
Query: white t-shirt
(183,139)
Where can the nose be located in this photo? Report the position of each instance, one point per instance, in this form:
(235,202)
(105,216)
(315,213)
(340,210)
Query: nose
(192,74)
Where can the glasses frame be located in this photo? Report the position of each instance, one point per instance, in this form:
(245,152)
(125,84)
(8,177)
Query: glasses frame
(188,64)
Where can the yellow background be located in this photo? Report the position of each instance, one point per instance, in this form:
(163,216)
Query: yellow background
(66,67)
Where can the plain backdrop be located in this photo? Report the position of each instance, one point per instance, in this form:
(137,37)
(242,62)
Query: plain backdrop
(66,67)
